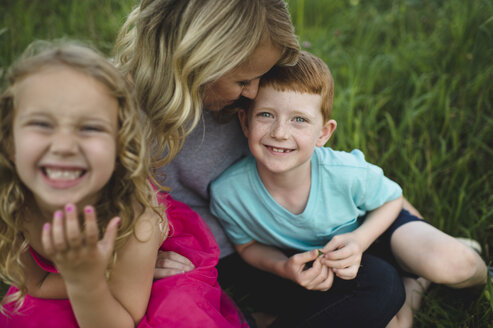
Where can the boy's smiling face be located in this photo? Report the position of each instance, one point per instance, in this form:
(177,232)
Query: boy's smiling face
(64,135)
(283,128)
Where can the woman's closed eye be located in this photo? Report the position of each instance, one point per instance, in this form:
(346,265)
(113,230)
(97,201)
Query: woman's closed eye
(92,128)
(244,83)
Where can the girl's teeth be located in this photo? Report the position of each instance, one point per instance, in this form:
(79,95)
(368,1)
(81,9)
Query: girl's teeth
(63,174)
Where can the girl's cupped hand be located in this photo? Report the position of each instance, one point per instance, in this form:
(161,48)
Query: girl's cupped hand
(77,252)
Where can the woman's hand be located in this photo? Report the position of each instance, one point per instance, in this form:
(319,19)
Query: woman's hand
(317,277)
(343,254)
(169,263)
(80,257)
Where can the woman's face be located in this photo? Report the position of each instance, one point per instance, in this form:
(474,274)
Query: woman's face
(243,80)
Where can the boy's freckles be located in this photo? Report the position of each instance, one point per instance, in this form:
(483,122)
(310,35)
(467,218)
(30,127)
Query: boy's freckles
(283,129)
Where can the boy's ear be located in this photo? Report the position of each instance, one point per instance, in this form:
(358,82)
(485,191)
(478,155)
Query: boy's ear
(243,117)
(326,132)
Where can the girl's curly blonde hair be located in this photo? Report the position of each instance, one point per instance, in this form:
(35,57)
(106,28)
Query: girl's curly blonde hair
(129,184)
(172,48)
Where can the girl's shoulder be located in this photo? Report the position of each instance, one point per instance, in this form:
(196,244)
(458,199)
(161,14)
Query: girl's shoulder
(152,225)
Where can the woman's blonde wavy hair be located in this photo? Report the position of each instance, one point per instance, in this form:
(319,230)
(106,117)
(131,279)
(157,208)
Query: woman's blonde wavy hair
(129,184)
(172,48)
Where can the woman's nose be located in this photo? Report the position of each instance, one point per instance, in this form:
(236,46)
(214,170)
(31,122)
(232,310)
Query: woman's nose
(250,91)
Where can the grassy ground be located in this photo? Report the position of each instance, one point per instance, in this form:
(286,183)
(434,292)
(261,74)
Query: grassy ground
(414,91)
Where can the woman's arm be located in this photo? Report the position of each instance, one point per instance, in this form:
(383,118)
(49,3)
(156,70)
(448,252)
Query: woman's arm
(82,261)
(169,263)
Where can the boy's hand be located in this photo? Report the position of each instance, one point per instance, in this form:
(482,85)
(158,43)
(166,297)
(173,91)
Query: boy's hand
(318,277)
(169,263)
(79,255)
(343,254)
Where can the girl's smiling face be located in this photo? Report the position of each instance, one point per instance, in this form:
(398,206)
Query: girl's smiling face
(64,136)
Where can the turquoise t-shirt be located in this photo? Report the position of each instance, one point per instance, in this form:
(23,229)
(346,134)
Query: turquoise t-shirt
(343,188)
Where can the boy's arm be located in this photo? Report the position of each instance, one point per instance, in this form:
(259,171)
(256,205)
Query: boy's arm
(344,251)
(271,259)
(263,257)
(377,222)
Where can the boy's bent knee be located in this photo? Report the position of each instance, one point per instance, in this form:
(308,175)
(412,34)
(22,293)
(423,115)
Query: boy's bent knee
(454,268)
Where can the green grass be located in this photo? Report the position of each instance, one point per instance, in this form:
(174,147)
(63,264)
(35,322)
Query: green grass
(94,21)
(414,91)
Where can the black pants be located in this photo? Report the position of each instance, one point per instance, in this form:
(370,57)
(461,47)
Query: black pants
(369,300)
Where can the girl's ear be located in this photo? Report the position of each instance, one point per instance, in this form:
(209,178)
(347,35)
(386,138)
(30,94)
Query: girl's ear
(7,108)
(10,151)
(7,146)
(326,132)
(243,117)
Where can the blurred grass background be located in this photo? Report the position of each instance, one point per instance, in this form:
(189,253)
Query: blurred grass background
(414,92)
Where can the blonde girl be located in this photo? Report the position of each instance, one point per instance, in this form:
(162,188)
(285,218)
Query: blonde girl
(72,138)
(73,155)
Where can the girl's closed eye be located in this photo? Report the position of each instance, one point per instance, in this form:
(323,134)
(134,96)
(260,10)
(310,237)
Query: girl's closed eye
(40,124)
(92,128)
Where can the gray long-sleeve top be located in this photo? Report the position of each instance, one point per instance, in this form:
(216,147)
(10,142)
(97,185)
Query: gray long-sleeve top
(207,152)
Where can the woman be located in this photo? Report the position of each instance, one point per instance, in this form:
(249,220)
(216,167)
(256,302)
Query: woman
(191,62)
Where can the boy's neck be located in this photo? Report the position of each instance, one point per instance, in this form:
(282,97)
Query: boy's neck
(289,189)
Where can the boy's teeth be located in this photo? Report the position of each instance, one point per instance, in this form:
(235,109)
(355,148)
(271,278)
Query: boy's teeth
(279,150)
(63,174)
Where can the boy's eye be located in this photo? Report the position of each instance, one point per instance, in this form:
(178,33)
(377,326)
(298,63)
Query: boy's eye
(299,119)
(264,114)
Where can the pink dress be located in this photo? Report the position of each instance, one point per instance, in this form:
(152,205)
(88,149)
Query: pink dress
(191,299)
